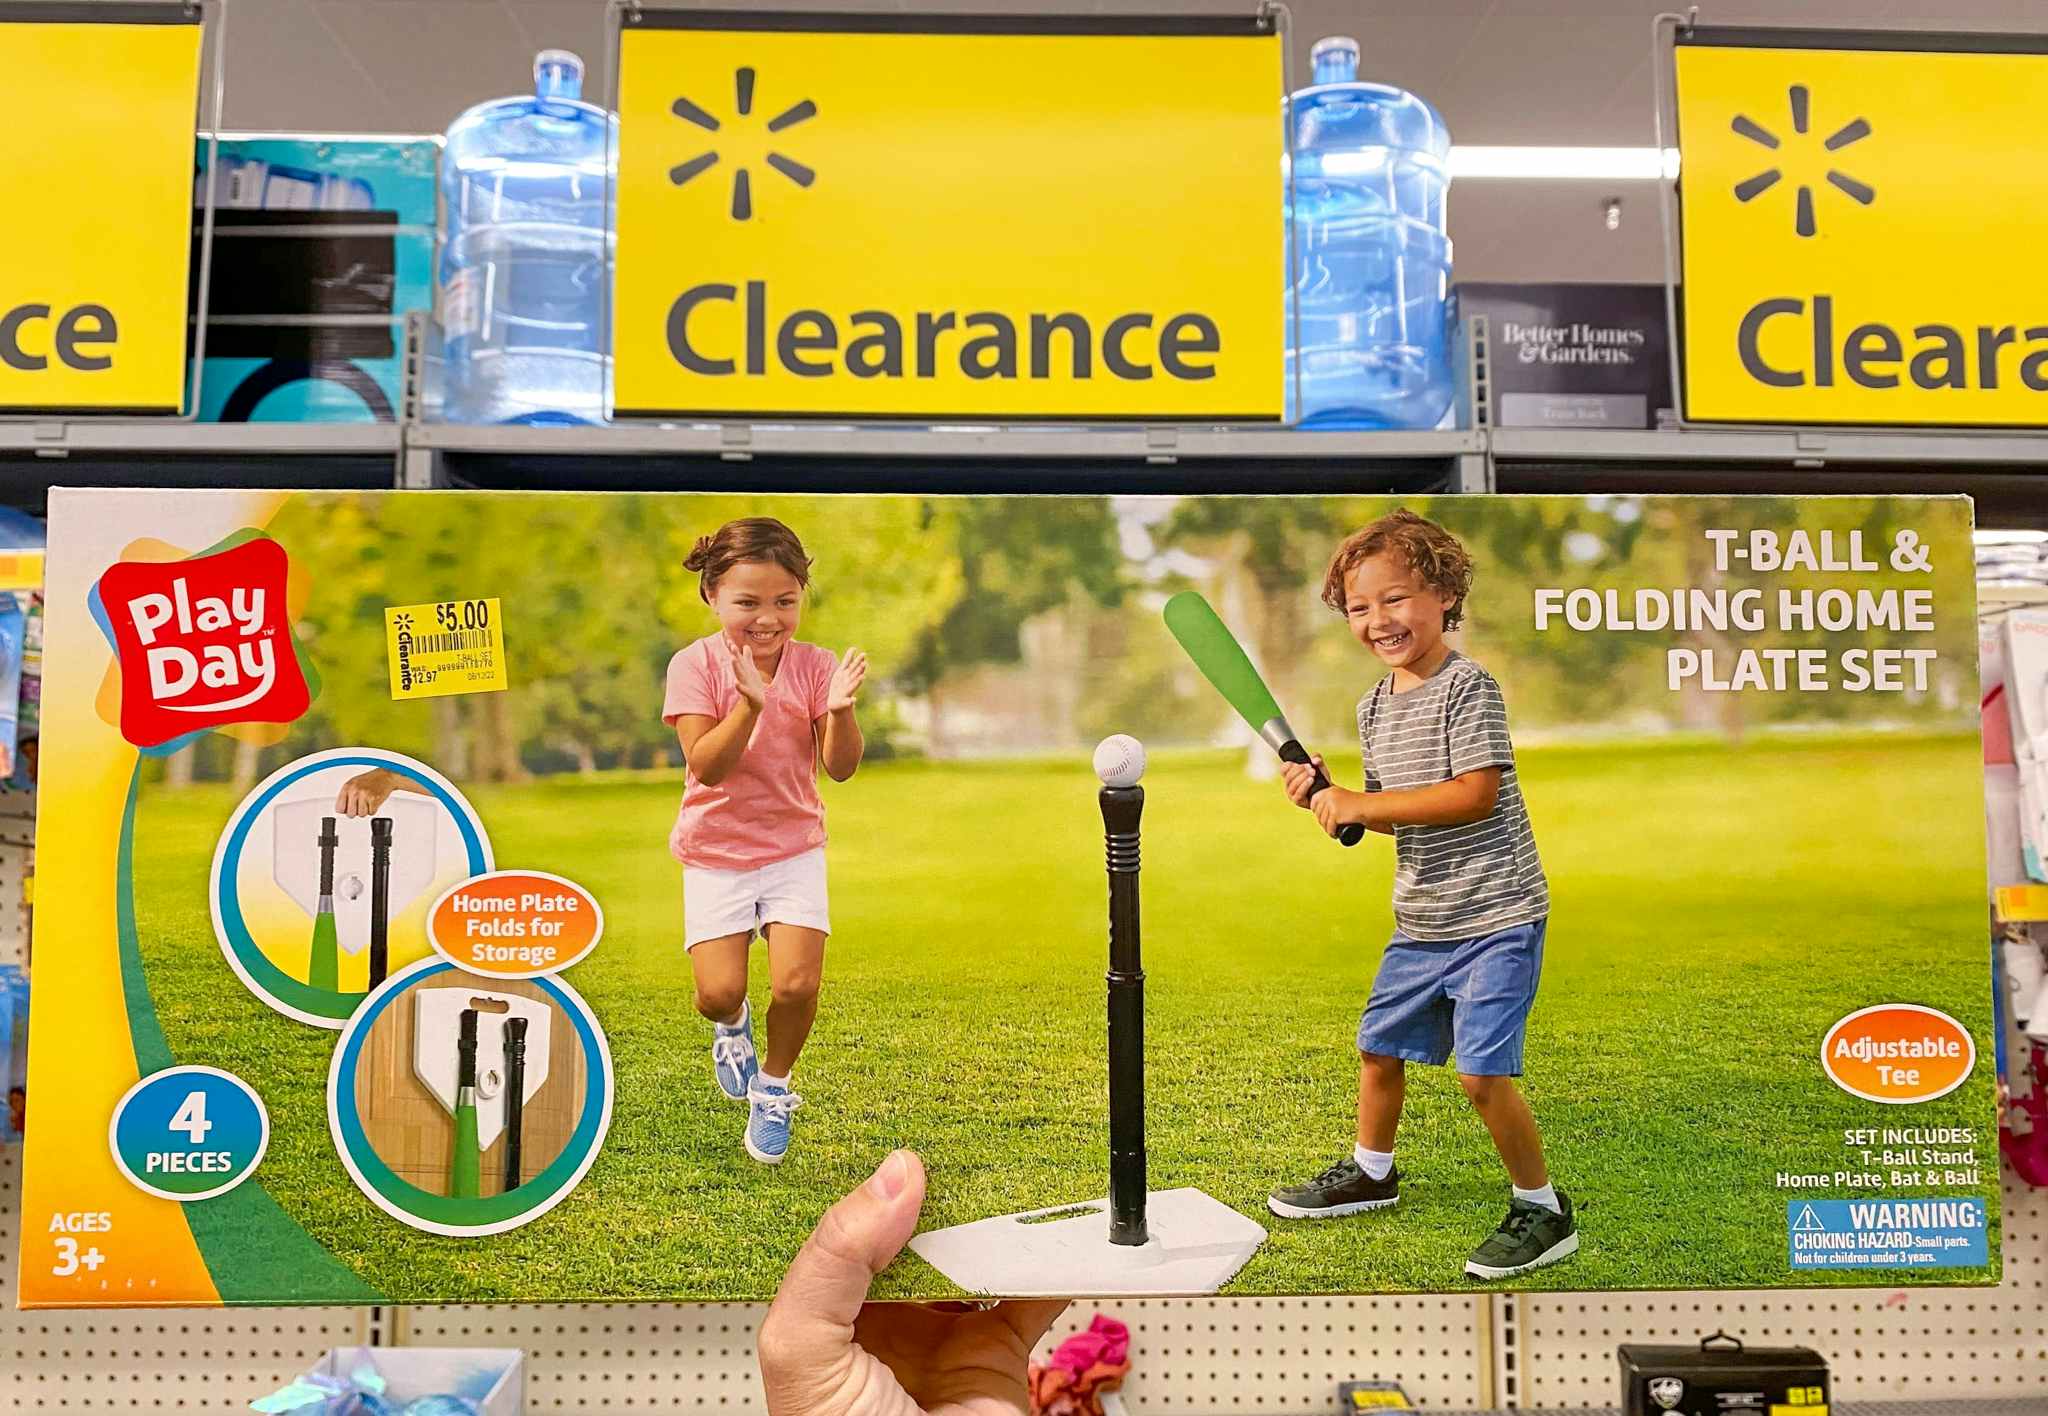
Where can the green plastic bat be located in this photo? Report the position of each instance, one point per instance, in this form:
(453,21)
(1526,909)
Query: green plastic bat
(466,1162)
(323,959)
(1222,660)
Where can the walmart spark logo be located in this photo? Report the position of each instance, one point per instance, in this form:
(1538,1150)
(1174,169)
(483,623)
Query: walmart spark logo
(742,179)
(1802,218)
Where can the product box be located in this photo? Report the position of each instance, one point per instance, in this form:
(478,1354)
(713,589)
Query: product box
(321,245)
(1372,1396)
(21,654)
(13,1053)
(489,1381)
(1574,356)
(1721,1377)
(402,854)
(2025,662)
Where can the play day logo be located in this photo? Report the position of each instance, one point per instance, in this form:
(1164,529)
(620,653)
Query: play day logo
(203,642)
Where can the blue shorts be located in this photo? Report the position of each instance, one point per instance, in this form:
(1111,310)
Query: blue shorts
(1468,996)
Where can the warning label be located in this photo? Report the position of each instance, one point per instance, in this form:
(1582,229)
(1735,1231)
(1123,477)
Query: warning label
(1841,1234)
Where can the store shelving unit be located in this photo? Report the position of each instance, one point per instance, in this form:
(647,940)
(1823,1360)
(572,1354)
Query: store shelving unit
(2003,472)
(899,458)
(38,455)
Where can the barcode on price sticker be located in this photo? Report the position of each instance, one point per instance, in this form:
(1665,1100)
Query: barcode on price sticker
(443,643)
(445,647)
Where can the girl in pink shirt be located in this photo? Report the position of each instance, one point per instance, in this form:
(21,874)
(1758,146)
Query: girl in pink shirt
(757,712)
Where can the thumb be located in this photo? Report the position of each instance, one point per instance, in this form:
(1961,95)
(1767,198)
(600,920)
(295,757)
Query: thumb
(821,1295)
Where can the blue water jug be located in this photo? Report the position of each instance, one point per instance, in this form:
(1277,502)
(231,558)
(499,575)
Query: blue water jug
(526,254)
(1370,265)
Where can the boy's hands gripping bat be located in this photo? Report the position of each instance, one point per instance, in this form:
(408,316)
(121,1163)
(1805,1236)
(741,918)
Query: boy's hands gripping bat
(1224,663)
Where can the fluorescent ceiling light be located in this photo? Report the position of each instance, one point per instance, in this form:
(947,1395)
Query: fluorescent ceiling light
(1540,164)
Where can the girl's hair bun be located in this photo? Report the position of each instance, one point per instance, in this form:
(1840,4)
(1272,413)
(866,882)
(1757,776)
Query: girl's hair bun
(751,538)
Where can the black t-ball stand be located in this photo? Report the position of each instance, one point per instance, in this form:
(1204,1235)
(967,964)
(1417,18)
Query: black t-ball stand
(1166,1243)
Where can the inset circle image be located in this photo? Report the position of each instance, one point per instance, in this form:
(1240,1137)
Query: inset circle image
(322,880)
(469,1106)
(189,1133)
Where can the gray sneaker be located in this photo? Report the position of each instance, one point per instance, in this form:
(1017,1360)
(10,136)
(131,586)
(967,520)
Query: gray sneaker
(1342,1189)
(1530,1237)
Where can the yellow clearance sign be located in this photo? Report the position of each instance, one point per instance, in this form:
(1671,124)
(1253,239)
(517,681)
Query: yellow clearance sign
(1862,229)
(916,217)
(94,260)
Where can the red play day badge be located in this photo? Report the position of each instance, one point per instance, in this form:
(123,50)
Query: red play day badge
(203,642)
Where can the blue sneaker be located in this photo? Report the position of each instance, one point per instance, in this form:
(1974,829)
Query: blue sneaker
(768,1111)
(732,1055)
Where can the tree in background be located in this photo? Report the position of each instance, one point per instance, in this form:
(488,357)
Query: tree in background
(574,623)
(882,576)
(1268,556)
(594,601)
(595,691)
(1018,557)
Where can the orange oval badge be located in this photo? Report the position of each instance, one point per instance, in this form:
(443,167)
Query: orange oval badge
(515,924)
(1898,1053)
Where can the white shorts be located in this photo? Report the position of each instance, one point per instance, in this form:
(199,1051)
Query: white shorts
(717,903)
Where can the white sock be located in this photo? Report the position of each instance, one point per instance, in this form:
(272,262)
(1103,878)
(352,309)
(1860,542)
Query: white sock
(767,1081)
(1546,1197)
(738,1024)
(1377,1165)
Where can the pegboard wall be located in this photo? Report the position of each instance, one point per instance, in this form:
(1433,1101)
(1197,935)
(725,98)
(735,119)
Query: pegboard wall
(209,1359)
(1238,1355)
(1276,1355)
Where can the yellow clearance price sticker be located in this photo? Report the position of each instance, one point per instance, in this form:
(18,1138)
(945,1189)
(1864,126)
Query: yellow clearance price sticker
(1862,232)
(2022,904)
(914,217)
(95,255)
(21,570)
(445,647)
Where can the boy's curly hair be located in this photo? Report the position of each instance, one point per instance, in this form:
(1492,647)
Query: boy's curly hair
(1434,553)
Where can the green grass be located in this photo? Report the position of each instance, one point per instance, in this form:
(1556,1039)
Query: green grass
(1715,909)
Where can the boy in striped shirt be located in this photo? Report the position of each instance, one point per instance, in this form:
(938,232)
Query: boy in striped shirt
(1470,900)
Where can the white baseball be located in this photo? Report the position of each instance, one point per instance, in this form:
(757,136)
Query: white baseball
(1119,760)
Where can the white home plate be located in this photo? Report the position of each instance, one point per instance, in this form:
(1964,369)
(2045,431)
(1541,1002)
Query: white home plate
(1195,1245)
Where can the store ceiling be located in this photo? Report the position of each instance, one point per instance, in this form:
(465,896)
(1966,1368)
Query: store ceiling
(1503,72)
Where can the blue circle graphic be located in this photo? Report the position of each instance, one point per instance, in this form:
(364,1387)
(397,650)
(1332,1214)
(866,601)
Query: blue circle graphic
(189,1133)
(492,1214)
(293,996)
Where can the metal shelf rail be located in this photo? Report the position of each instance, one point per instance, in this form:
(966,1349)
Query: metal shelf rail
(2005,473)
(825,457)
(35,456)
